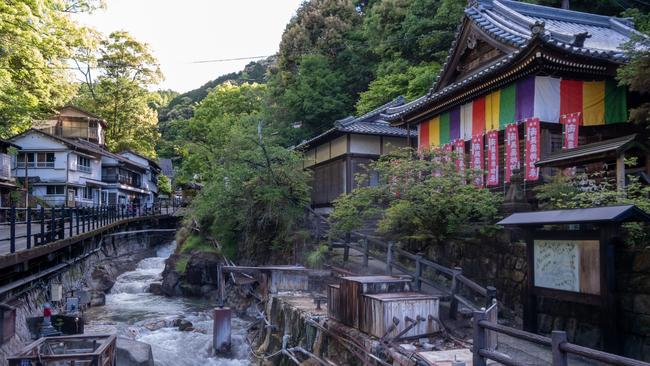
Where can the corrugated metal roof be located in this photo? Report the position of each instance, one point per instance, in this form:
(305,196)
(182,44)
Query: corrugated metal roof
(611,145)
(579,215)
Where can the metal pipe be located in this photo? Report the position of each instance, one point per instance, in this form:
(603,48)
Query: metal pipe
(310,355)
(414,323)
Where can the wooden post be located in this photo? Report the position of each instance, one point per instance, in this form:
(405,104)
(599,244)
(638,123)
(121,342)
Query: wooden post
(317,238)
(29,227)
(12,228)
(42,225)
(620,171)
(76,213)
(418,271)
(346,249)
(455,287)
(52,224)
(557,338)
(221,330)
(70,233)
(530,299)
(479,339)
(389,258)
(490,296)
(364,243)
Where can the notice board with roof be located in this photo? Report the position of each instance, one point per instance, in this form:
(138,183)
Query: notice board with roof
(571,257)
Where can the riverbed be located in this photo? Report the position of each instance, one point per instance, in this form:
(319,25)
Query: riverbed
(132,312)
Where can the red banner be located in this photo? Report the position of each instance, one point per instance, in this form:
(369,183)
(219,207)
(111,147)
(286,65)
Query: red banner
(459,147)
(477,159)
(493,158)
(571,122)
(532,149)
(512,150)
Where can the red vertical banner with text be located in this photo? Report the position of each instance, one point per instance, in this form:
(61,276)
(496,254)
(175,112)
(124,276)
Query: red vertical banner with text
(459,147)
(492,158)
(532,148)
(571,122)
(512,150)
(477,159)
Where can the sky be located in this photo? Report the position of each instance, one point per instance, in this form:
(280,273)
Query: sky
(182,32)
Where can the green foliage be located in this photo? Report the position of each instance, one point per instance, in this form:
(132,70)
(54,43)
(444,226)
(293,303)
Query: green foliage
(38,39)
(255,190)
(181,264)
(195,243)
(596,190)
(164,185)
(419,199)
(317,257)
(414,82)
(636,76)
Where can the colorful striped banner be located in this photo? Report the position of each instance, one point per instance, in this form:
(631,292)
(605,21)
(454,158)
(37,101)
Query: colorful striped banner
(423,138)
(543,97)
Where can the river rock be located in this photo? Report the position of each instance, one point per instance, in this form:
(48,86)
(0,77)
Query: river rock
(155,325)
(185,326)
(97,298)
(156,288)
(102,279)
(170,284)
(133,353)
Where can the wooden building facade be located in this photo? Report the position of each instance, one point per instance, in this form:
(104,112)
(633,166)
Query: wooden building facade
(512,63)
(340,153)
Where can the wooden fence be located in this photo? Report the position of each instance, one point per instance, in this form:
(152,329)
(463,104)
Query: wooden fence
(447,281)
(485,345)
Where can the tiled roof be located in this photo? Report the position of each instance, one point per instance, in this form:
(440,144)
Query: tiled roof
(516,24)
(167,167)
(581,152)
(371,123)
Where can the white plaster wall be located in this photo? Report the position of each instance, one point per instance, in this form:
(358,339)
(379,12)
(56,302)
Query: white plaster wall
(322,152)
(309,158)
(392,143)
(365,144)
(339,146)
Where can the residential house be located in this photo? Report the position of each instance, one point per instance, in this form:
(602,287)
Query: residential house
(126,181)
(59,170)
(150,177)
(74,123)
(337,155)
(7,178)
(514,63)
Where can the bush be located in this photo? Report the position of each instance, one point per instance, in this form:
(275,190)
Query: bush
(181,264)
(417,199)
(196,243)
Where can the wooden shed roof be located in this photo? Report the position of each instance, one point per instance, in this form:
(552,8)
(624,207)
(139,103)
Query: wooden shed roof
(623,213)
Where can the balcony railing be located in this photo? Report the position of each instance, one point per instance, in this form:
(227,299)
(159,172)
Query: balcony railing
(84,169)
(5,167)
(123,179)
(38,164)
(73,132)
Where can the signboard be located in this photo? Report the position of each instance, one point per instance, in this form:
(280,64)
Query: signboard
(569,265)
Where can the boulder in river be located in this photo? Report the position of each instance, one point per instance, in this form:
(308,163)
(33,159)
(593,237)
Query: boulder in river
(185,326)
(133,353)
(156,288)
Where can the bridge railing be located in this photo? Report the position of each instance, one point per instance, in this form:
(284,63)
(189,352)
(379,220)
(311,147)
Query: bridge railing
(24,228)
(485,347)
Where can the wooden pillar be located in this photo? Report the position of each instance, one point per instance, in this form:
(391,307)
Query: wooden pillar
(620,171)
(612,339)
(221,330)
(530,300)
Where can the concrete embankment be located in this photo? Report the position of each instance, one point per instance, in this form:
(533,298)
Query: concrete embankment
(86,269)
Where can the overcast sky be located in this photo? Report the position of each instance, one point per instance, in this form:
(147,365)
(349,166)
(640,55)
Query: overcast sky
(181,32)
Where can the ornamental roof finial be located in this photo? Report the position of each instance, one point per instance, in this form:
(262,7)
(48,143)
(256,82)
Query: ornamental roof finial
(537,28)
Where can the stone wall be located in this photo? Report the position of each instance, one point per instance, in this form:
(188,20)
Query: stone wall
(500,261)
(94,274)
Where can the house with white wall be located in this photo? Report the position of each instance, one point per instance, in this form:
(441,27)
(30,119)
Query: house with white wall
(149,178)
(7,179)
(60,171)
(125,180)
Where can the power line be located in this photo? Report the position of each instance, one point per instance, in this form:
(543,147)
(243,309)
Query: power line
(230,59)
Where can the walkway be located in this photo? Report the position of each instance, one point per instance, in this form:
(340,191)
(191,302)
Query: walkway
(75,222)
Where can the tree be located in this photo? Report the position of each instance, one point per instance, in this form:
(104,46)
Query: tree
(417,200)
(164,185)
(38,39)
(255,190)
(120,95)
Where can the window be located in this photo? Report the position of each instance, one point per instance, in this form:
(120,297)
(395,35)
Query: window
(55,190)
(83,164)
(87,193)
(36,160)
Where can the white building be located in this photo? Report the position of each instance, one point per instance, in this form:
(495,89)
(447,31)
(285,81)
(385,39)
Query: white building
(126,181)
(60,171)
(149,178)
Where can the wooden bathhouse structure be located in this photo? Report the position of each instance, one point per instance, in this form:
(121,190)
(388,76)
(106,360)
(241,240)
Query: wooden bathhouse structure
(7,179)
(337,155)
(524,82)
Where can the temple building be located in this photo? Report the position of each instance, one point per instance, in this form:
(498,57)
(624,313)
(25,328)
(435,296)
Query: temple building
(522,85)
(337,155)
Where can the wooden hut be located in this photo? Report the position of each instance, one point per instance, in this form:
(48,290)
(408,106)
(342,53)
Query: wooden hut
(522,82)
(340,153)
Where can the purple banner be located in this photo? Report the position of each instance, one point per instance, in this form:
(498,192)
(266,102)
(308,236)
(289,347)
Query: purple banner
(525,99)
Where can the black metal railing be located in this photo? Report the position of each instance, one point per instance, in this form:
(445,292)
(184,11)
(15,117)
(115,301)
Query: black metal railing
(24,228)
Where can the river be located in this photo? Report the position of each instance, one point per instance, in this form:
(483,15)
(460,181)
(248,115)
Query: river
(131,311)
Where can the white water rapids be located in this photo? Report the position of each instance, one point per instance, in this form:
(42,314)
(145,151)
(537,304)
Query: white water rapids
(130,309)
